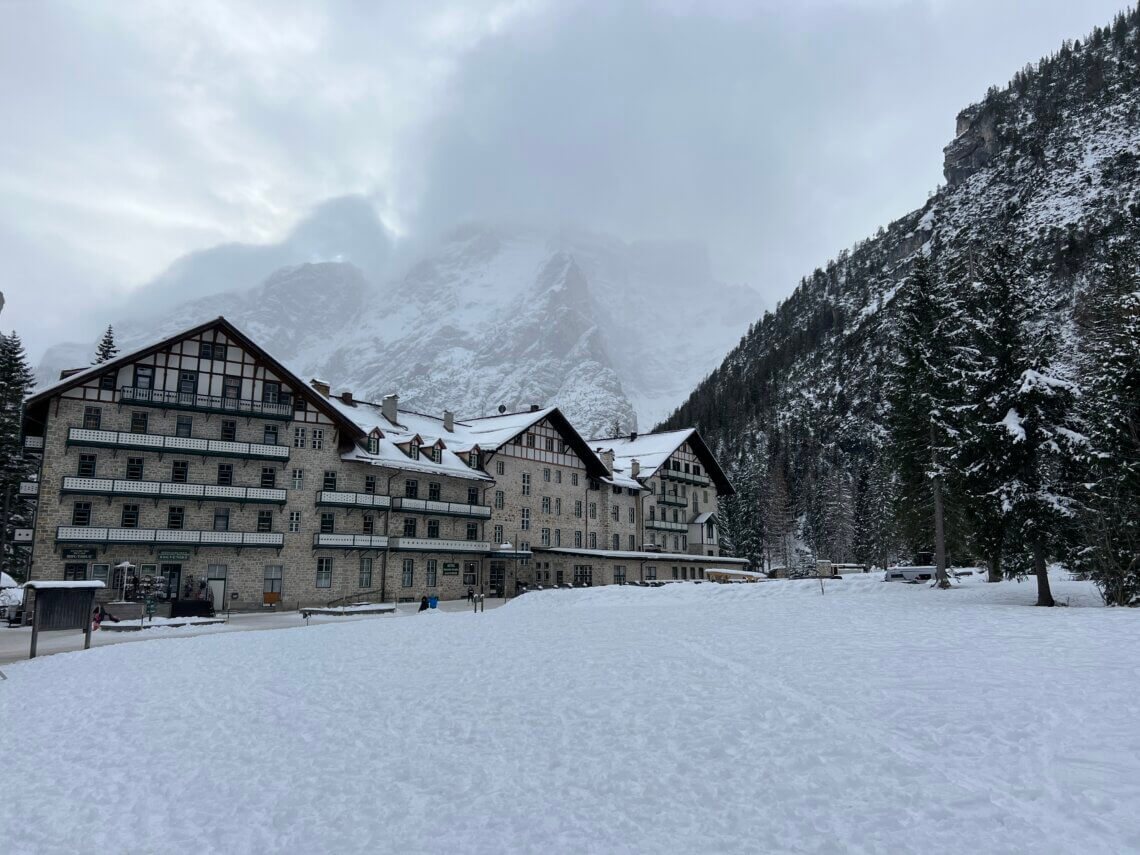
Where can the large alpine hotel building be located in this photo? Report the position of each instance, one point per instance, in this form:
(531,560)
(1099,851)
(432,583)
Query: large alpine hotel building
(204,462)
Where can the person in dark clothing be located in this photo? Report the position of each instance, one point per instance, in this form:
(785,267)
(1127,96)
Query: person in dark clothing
(423,604)
(470,593)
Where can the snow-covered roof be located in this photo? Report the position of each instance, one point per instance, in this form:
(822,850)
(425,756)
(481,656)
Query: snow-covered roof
(701,519)
(44,585)
(496,431)
(640,556)
(652,450)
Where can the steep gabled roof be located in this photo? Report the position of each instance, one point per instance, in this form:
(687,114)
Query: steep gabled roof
(651,450)
(496,431)
(234,334)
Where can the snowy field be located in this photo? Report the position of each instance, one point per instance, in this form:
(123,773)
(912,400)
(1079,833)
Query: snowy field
(880,718)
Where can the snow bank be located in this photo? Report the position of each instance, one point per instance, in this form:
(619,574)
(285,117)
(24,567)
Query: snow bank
(691,718)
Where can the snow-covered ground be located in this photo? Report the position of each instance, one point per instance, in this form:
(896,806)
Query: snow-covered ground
(880,717)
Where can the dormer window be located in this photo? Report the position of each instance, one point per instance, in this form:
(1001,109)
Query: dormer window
(413,450)
(437,454)
(374,444)
(473,459)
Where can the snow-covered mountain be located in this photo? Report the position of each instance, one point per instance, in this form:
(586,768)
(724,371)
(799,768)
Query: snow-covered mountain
(614,332)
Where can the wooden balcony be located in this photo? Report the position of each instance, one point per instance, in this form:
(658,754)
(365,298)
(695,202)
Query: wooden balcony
(175,444)
(205,403)
(172,490)
(685,477)
(670,499)
(166,536)
(451,509)
(667,525)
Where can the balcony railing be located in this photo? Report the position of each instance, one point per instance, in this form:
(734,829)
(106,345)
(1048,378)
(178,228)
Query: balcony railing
(330,540)
(205,403)
(666,525)
(686,477)
(29,488)
(340,499)
(172,490)
(436,544)
(670,499)
(162,536)
(453,509)
(183,444)
(34,442)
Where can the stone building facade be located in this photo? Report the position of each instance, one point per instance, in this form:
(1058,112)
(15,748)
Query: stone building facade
(204,464)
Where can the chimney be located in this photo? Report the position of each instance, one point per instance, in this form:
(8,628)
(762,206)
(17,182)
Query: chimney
(67,372)
(534,408)
(449,421)
(388,406)
(321,386)
(634,467)
(608,459)
(633,436)
(346,396)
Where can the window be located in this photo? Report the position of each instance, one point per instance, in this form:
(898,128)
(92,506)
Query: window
(578,539)
(184,426)
(179,471)
(225,474)
(139,422)
(187,382)
(558,507)
(410,527)
(294,521)
(270,392)
(175,517)
(526,483)
(269,435)
(144,376)
(472,531)
(619,574)
(544,537)
(130,517)
(530,440)
(498,534)
(231,387)
(324,572)
(546,504)
(676,575)
(518,440)
(616,490)
(329,482)
(684,541)
(578,508)
(318,438)
(499,499)
(546,473)
(411,488)
(265,521)
(209,350)
(650,572)
(676,544)
(221,519)
(557,476)
(473,459)
(433,491)
(365,578)
(632,543)
(272,579)
(413,450)
(617,542)
(593,540)
(557,537)
(593,510)
(524,519)
(268,476)
(229,430)
(370,484)
(92,417)
(632,515)
(615,513)
(407,577)
(298,479)
(706,498)
(101,573)
(327,522)
(550,443)
(368,524)
(432,577)
(134,468)
(81,513)
(86,466)
(472,495)
(433,528)
(499,468)
(373,444)
(298,437)
(107,382)
(470,568)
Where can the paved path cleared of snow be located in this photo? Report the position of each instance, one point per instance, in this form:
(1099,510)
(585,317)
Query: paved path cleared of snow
(880,718)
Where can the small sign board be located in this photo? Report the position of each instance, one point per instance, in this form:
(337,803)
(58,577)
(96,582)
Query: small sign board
(173,555)
(450,568)
(151,606)
(78,554)
(62,605)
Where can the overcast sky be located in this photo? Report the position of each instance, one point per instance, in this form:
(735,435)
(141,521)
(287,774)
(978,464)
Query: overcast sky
(776,132)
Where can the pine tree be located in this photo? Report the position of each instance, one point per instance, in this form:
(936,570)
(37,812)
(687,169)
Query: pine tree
(876,541)
(107,349)
(923,392)
(1110,412)
(16,382)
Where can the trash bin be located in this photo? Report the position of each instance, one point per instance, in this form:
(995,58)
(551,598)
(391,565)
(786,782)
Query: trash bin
(432,602)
